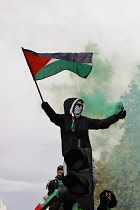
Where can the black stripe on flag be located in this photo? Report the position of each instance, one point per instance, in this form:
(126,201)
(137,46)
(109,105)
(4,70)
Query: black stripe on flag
(84,57)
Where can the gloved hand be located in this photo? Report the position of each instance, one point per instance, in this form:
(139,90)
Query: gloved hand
(44,104)
(121,114)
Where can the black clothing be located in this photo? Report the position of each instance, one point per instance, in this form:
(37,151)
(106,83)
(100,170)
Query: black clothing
(121,114)
(52,186)
(83,124)
(103,203)
(54,203)
(106,202)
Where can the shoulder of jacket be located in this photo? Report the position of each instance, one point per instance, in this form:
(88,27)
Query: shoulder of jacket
(51,181)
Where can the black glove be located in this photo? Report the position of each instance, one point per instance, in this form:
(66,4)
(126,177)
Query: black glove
(121,114)
(44,104)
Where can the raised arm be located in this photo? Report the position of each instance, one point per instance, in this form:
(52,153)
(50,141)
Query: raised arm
(55,118)
(105,123)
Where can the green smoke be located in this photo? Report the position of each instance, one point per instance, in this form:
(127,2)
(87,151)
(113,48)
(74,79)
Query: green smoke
(96,105)
(95,91)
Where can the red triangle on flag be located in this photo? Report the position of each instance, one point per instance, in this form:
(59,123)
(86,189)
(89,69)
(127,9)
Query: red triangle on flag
(35,62)
(38,207)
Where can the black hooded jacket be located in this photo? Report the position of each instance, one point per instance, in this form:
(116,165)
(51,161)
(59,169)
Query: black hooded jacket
(83,124)
(53,184)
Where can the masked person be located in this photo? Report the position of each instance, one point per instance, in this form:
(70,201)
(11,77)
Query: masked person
(55,203)
(74,126)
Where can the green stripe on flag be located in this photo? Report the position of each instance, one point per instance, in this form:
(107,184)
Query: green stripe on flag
(49,197)
(82,70)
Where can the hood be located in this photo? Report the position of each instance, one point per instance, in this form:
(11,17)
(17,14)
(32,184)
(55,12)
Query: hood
(69,104)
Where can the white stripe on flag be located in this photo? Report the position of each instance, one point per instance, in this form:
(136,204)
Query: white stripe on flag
(52,60)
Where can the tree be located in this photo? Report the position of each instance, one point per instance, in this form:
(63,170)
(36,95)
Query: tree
(124,164)
(104,179)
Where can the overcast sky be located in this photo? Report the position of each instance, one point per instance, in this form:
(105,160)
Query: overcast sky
(30,147)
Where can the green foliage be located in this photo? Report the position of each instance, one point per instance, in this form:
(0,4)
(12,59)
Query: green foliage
(105,180)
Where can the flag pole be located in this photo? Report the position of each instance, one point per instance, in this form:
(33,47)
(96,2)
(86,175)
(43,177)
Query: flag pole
(38,89)
(37,86)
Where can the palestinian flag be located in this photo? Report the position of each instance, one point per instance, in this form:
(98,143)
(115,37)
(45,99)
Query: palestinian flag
(39,207)
(44,205)
(44,65)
